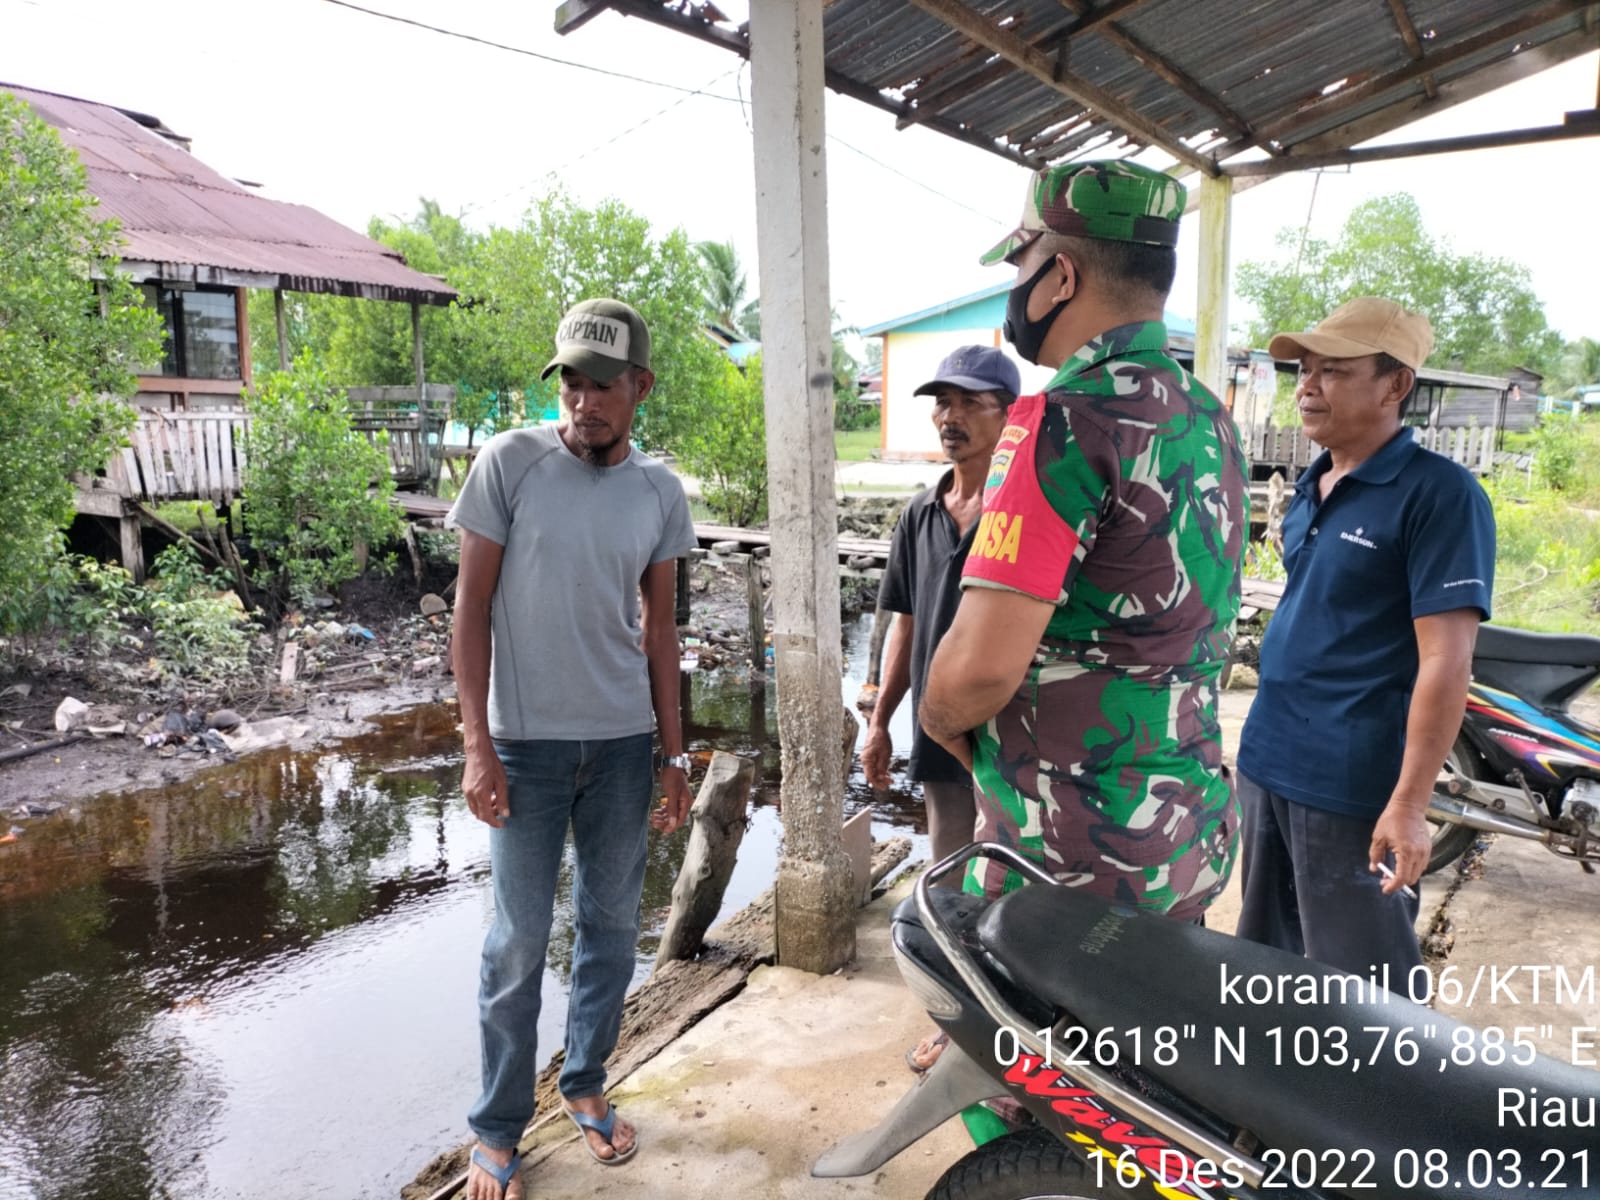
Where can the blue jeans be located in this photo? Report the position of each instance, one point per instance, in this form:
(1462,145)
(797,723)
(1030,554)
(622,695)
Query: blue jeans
(602,789)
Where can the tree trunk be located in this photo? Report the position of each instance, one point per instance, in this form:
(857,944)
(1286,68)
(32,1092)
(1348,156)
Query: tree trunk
(718,824)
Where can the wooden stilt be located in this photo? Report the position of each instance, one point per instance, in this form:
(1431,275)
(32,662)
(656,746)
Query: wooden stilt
(283,329)
(682,613)
(132,546)
(757,603)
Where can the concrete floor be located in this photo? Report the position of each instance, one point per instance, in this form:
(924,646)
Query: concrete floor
(747,1099)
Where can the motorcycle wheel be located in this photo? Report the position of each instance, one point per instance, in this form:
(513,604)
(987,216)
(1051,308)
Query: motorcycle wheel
(1451,841)
(1029,1165)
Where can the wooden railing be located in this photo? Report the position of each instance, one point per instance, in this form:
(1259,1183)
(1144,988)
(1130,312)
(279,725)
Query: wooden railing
(200,455)
(415,430)
(182,456)
(1471,446)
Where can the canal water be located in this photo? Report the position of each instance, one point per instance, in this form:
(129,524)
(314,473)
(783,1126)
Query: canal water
(261,982)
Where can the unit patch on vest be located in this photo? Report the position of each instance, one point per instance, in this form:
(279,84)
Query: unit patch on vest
(998,466)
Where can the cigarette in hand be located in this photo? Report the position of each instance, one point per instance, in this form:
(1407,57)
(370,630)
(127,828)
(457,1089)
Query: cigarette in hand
(1405,889)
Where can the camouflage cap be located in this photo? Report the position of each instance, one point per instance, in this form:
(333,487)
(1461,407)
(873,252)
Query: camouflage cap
(1110,198)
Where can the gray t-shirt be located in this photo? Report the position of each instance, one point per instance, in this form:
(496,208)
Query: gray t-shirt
(568,653)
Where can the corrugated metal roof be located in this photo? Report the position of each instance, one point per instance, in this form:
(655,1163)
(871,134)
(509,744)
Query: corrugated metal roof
(184,221)
(1207,80)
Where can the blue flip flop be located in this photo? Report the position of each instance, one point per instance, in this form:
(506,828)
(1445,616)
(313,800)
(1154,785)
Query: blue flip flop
(501,1175)
(604,1126)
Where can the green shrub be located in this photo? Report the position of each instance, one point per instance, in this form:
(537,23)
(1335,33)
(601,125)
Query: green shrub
(1262,560)
(850,416)
(316,492)
(1547,561)
(66,355)
(200,628)
(1557,447)
(726,448)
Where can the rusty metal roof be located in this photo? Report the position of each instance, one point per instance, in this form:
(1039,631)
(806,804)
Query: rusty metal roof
(184,222)
(1214,83)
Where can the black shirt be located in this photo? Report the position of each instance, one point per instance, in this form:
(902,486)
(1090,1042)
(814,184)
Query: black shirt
(923,578)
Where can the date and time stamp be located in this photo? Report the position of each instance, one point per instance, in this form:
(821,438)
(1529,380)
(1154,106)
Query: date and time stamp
(1411,1042)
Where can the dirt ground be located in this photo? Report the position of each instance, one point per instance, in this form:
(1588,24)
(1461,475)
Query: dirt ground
(345,678)
(380,645)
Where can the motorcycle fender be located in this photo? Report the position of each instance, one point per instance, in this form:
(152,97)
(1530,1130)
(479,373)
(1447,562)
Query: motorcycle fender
(955,1082)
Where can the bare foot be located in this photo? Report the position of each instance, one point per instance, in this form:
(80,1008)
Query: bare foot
(925,1053)
(483,1186)
(622,1134)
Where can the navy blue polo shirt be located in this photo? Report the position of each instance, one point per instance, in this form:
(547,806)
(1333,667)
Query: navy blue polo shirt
(1406,534)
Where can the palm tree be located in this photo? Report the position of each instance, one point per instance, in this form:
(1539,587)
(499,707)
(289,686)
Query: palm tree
(724,284)
(1579,365)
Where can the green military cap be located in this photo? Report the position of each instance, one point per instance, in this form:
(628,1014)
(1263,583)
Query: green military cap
(1109,198)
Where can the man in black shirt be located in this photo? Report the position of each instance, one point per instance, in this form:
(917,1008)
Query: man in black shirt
(974,387)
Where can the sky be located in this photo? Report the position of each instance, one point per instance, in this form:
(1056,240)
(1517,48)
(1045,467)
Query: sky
(358,116)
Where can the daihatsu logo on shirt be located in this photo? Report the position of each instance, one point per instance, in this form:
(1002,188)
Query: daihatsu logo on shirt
(1357,538)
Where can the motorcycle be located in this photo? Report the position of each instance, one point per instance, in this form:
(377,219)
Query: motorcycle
(1523,764)
(1160,1059)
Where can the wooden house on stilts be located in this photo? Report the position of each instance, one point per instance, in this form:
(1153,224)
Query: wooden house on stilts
(196,242)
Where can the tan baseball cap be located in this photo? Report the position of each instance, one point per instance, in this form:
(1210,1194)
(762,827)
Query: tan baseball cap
(602,339)
(1359,327)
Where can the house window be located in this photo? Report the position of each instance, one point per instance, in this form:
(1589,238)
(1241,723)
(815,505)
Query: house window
(202,331)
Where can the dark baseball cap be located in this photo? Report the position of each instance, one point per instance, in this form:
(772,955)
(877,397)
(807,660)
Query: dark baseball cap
(975,369)
(602,339)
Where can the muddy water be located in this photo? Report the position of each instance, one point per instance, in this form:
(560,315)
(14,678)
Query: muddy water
(260,982)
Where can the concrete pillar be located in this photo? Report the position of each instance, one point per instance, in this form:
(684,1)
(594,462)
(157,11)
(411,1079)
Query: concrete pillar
(1211,306)
(815,917)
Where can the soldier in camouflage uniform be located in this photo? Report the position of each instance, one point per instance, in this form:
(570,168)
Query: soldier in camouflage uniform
(1080,674)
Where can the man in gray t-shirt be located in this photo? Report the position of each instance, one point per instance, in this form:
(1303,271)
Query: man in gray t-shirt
(566,661)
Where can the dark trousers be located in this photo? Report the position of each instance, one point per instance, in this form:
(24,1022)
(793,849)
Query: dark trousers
(1307,889)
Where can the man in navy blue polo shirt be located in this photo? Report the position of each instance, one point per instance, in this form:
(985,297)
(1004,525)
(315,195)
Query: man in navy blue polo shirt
(1364,668)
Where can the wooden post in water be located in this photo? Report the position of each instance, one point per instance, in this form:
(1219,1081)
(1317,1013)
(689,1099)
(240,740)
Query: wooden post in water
(882,618)
(718,824)
(756,604)
(681,614)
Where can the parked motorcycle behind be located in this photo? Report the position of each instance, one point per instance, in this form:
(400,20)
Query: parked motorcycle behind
(1160,1059)
(1523,764)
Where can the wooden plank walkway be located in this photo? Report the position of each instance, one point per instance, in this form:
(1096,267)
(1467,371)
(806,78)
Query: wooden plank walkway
(423,508)
(1261,594)
(853,551)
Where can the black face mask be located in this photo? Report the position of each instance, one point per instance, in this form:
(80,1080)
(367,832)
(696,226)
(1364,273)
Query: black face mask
(1026,335)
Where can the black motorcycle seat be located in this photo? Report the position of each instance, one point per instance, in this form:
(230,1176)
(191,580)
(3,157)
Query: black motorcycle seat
(1547,649)
(1132,973)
